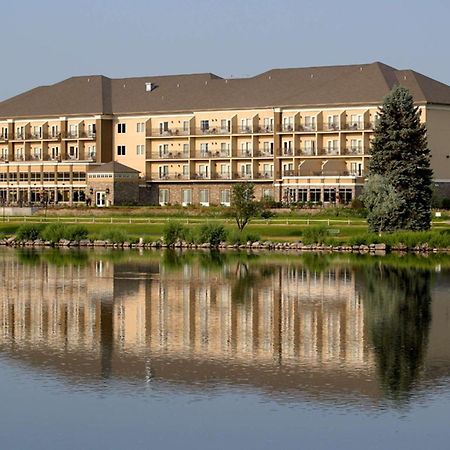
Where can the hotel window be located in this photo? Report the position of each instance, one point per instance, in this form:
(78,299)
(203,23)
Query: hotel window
(92,151)
(20,132)
(287,148)
(302,195)
(356,145)
(23,177)
(91,129)
(185,170)
(333,147)
(186,126)
(333,122)
(73,152)
(73,131)
(356,122)
(140,127)
(49,176)
(246,170)
(121,150)
(204,125)
(288,169)
(164,128)
(225,197)
(246,125)
(54,131)
(4,153)
(78,176)
(3,177)
(63,176)
(225,125)
(310,123)
(140,148)
(224,149)
(314,195)
(203,171)
(310,147)
(268,170)
(37,153)
(288,123)
(19,154)
(204,197)
(186,197)
(12,176)
(329,195)
(268,148)
(246,148)
(185,149)
(224,170)
(4,133)
(121,128)
(37,132)
(163,172)
(163,196)
(204,149)
(268,124)
(345,195)
(355,169)
(54,152)
(164,150)
(35,177)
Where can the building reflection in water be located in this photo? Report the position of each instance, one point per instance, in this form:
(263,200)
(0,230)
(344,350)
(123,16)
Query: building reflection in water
(205,319)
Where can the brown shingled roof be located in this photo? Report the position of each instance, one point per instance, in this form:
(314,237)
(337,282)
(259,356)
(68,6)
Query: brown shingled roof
(113,167)
(302,87)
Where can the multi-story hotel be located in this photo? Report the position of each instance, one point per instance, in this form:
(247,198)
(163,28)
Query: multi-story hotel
(298,134)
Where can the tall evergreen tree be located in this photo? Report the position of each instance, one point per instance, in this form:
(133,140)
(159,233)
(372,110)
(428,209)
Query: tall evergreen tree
(401,155)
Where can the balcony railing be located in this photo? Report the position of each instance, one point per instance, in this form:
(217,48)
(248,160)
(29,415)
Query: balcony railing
(287,152)
(264,153)
(246,153)
(287,127)
(330,173)
(289,173)
(221,176)
(333,126)
(242,176)
(158,132)
(265,175)
(264,129)
(201,176)
(305,151)
(87,135)
(53,136)
(307,128)
(330,151)
(173,155)
(169,176)
(212,130)
(71,135)
(358,125)
(245,129)
(3,137)
(354,151)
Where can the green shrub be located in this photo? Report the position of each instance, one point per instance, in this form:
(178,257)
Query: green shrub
(54,232)
(445,203)
(174,232)
(267,214)
(28,232)
(315,234)
(76,233)
(212,234)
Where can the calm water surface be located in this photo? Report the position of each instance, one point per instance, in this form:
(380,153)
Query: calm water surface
(123,350)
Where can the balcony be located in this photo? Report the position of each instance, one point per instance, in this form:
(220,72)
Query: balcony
(158,132)
(264,129)
(222,176)
(264,176)
(331,173)
(264,153)
(242,176)
(287,152)
(212,131)
(307,128)
(169,176)
(172,155)
(245,153)
(287,128)
(354,126)
(305,151)
(87,135)
(3,137)
(70,135)
(288,173)
(354,151)
(330,151)
(52,136)
(201,176)
(245,129)
(331,126)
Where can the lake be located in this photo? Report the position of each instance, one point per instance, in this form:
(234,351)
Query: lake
(205,350)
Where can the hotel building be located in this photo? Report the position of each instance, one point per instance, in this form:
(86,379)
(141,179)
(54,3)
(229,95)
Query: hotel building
(298,134)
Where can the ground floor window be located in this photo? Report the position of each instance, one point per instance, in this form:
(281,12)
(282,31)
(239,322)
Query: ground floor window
(163,196)
(315,195)
(204,197)
(345,195)
(186,197)
(225,197)
(329,195)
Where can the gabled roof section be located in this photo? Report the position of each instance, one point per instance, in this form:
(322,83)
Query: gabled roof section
(361,84)
(113,167)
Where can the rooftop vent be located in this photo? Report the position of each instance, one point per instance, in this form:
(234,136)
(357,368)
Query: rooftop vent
(149,86)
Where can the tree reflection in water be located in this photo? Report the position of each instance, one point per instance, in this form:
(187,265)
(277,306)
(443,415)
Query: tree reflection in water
(397,316)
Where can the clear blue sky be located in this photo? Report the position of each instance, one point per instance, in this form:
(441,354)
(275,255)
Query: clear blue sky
(44,42)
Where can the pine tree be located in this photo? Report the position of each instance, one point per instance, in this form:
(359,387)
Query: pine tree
(400,154)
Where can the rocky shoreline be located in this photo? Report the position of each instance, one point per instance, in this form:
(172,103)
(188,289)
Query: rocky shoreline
(266,245)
